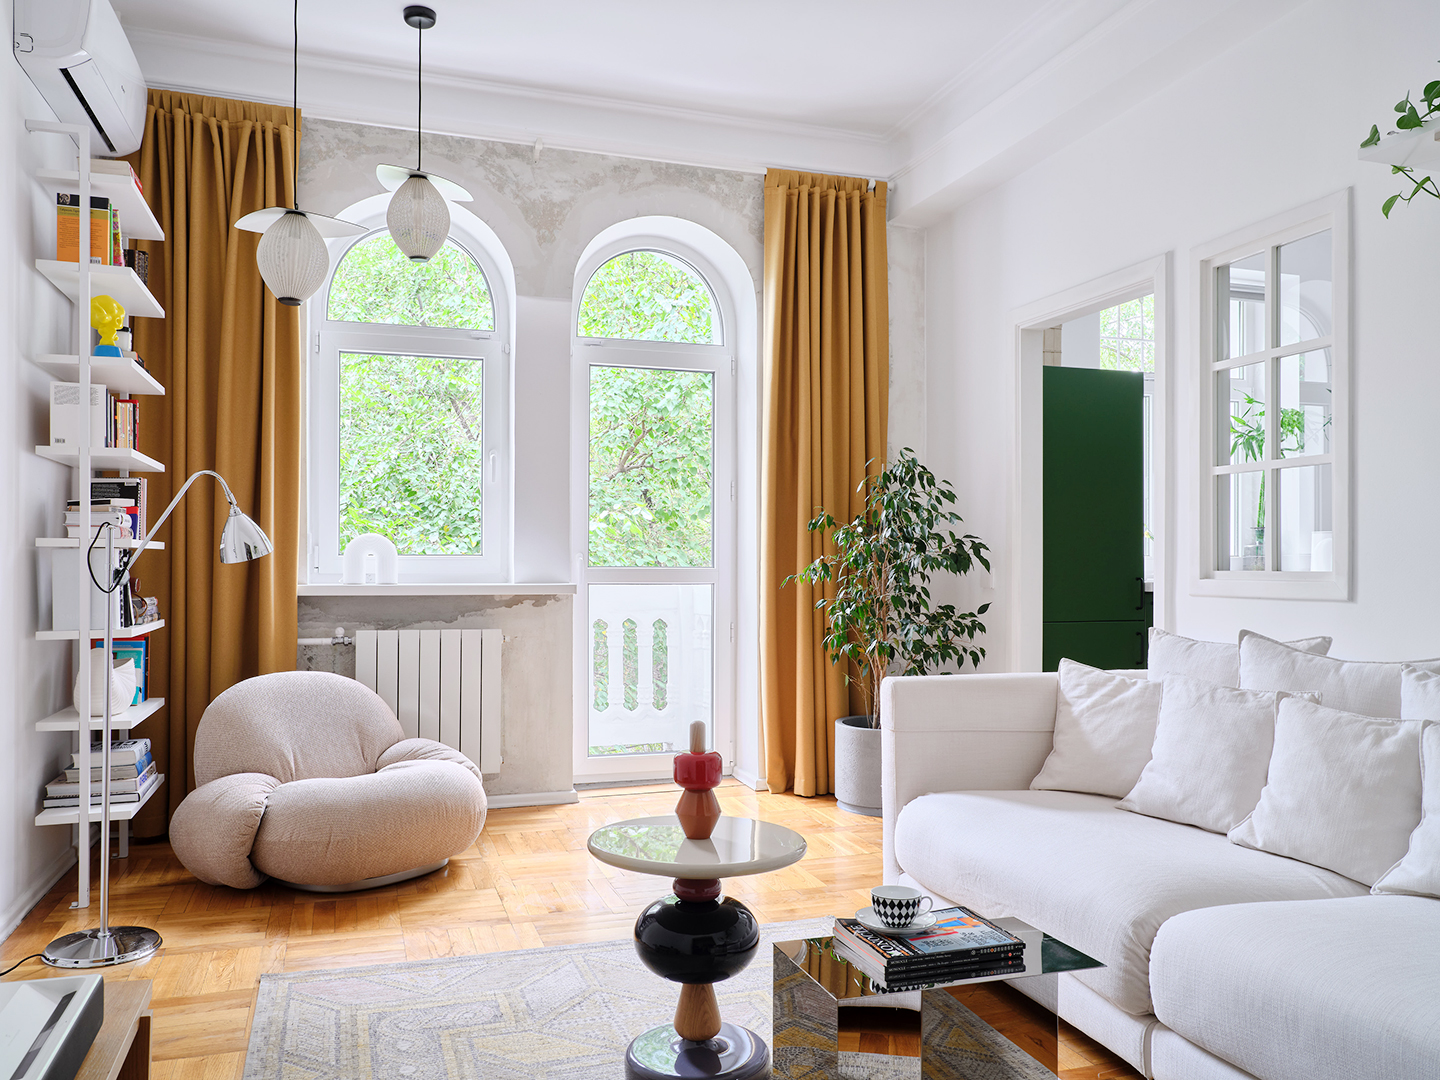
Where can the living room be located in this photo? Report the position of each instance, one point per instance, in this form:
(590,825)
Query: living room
(506,403)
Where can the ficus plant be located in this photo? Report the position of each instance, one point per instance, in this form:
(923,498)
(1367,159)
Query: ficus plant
(879,620)
(1411,117)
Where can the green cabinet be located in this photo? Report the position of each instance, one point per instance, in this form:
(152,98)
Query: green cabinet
(1095,607)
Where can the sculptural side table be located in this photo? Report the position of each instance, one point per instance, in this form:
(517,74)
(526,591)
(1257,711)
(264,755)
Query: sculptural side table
(696,938)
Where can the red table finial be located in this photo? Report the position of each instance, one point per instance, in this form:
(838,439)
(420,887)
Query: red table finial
(698,773)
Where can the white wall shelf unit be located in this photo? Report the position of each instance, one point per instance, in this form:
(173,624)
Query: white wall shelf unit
(139,223)
(117,374)
(103,457)
(121,632)
(124,811)
(124,720)
(121,282)
(74,541)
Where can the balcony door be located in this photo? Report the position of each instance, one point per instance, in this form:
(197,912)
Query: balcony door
(656,520)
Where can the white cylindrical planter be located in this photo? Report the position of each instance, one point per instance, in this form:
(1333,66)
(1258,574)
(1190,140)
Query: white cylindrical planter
(857,765)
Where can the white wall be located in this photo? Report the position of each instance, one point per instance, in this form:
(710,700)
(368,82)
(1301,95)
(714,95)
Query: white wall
(34,676)
(1270,124)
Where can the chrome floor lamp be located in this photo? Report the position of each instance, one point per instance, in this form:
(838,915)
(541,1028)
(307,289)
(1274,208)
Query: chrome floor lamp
(241,540)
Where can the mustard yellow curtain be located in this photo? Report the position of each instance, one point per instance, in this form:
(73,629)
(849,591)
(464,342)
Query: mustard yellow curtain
(826,383)
(230,358)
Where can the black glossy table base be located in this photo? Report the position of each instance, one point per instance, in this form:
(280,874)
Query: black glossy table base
(697,938)
(736,1053)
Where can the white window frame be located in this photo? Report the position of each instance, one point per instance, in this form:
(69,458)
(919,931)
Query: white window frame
(721,361)
(1332,213)
(329,339)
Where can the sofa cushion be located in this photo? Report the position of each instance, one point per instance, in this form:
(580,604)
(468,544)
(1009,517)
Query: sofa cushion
(1212,749)
(1358,686)
(1418,873)
(1104,725)
(1344,989)
(1419,694)
(1213,662)
(1093,876)
(1343,790)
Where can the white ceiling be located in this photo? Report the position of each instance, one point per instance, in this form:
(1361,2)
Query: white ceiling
(856,66)
(944,98)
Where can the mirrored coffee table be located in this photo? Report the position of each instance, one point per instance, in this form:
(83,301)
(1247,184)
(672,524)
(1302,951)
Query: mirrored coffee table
(812,979)
(696,938)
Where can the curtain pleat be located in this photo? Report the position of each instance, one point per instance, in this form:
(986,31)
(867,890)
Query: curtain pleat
(230,357)
(826,385)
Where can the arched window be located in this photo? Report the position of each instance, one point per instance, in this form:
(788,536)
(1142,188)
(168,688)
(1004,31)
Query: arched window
(410,411)
(649,296)
(656,450)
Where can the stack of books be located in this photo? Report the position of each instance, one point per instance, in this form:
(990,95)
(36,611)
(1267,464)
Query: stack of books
(102,512)
(960,945)
(132,772)
(114,421)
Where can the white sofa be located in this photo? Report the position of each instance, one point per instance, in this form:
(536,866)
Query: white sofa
(1223,962)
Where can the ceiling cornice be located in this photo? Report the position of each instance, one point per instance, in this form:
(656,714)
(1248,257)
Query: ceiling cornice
(341,88)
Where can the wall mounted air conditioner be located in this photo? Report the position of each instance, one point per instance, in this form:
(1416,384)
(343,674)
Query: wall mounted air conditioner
(77,55)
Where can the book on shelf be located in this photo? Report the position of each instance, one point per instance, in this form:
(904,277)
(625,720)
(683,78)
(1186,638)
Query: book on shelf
(958,935)
(885,982)
(122,752)
(133,784)
(132,489)
(67,414)
(117,772)
(67,229)
(136,650)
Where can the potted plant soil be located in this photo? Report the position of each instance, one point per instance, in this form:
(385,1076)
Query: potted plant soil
(879,619)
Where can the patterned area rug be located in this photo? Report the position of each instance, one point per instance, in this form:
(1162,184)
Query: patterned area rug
(561,1013)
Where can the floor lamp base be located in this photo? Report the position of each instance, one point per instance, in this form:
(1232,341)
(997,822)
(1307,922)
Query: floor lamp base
(102,948)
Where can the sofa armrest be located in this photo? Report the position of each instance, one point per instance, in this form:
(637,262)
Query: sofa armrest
(212,831)
(425,750)
(960,733)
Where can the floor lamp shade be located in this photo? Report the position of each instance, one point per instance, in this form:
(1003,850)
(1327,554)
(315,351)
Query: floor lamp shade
(293,258)
(418,219)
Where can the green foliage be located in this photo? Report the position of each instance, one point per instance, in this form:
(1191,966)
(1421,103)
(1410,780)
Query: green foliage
(660,665)
(646,296)
(377,283)
(651,470)
(600,662)
(411,462)
(630,663)
(1408,119)
(1127,336)
(879,618)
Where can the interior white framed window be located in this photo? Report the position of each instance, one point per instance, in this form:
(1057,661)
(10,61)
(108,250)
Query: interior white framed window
(654,487)
(409,406)
(1272,305)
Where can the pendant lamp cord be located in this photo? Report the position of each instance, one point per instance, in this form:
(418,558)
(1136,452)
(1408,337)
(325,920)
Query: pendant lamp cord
(419,92)
(295,106)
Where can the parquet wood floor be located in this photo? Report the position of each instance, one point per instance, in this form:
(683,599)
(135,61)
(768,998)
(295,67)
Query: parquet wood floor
(527,882)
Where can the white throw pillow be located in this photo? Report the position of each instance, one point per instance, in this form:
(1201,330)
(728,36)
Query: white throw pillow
(1418,873)
(1419,694)
(1343,791)
(1211,754)
(1104,725)
(1213,662)
(1364,687)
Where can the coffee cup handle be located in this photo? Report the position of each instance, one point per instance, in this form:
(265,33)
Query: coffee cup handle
(929,902)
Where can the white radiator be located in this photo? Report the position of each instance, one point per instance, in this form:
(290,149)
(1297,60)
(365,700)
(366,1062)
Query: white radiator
(442,684)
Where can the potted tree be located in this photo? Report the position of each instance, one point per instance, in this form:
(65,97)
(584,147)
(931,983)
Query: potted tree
(879,619)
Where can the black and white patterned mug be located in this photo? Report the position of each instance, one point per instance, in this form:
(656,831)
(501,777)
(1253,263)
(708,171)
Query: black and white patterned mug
(898,905)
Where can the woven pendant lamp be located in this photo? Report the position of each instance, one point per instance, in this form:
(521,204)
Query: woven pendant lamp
(292,255)
(418,217)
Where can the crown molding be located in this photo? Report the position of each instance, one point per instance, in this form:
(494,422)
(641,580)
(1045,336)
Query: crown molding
(333,87)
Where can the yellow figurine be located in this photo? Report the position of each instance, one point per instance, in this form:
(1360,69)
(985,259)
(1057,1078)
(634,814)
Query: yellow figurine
(107,316)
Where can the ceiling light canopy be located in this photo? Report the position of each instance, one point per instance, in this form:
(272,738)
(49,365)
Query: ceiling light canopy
(418,217)
(292,256)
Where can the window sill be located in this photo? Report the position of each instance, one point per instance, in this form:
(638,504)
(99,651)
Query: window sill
(499,588)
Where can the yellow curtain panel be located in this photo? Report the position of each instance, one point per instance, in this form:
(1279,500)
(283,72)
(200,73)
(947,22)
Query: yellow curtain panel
(826,384)
(230,358)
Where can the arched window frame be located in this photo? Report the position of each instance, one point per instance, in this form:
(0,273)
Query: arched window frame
(734,363)
(493,347)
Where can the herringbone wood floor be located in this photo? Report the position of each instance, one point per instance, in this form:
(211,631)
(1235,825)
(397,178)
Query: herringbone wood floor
(527,882)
